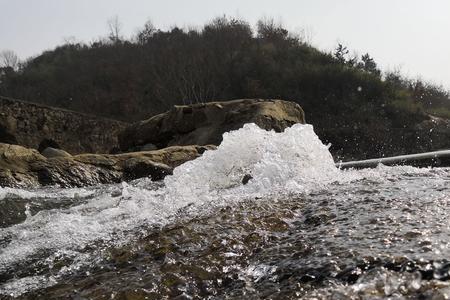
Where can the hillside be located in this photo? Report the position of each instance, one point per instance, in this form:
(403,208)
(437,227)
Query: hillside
(351,104)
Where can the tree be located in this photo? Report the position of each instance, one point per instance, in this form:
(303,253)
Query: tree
(115,28)
(146,33)
(352,61)
(270,30)
(340,52)
(368,64)
(9,59)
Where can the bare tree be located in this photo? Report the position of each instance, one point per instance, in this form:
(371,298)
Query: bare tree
(270,29)
(9,58)
(115,29)
(70,40)
(305,35)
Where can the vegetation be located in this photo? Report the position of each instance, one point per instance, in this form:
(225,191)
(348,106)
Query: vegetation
(225,59)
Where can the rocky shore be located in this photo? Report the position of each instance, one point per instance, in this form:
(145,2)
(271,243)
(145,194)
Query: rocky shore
(150,148)
(153,147)
(24,167)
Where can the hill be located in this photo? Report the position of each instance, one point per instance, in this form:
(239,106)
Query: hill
(351,104)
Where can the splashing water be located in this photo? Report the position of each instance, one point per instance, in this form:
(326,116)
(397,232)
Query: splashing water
(57,233)
(295,160)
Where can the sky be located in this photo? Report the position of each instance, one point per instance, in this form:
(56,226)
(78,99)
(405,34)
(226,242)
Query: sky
(407,35)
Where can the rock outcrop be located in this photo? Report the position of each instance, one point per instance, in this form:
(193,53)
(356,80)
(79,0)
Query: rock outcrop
(158,144)
(24,167)
(38,126)
(204,124)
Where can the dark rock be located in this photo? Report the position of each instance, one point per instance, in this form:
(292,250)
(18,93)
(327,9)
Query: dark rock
(204,124)
(47,143)
(144,167)
(246,179)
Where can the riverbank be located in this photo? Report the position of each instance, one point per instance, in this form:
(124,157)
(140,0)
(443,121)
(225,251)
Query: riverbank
(150,148)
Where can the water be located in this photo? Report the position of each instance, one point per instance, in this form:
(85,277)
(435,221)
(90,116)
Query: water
(300,228)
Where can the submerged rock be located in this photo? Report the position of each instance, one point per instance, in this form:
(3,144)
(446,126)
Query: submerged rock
(204,124)
(24,167)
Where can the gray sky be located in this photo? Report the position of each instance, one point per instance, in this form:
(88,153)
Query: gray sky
(408,34)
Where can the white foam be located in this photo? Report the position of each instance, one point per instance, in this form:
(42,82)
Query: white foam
(295,160)
(47,193)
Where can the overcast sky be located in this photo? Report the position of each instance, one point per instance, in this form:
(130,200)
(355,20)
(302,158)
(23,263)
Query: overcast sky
(412,35)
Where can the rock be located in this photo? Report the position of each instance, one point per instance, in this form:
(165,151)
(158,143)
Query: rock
(246,179)
(139,167)
(15,165)
(24,167)
(50,152)
(204,124)
(47,143)
(38,126)
(178,131)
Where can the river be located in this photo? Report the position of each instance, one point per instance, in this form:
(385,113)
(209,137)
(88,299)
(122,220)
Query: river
(298,228)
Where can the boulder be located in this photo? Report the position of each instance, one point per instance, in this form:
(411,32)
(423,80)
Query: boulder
(15,165)
(24,167)
(204,124)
